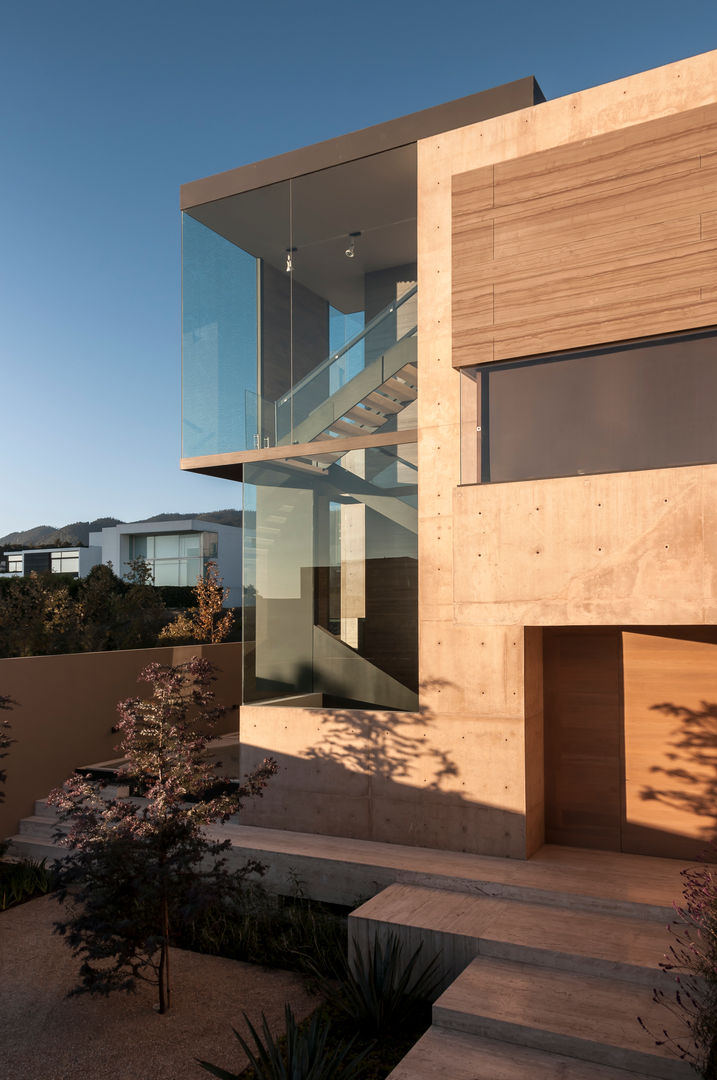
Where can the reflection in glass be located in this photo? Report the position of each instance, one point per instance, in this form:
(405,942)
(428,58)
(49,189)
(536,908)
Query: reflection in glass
(643,405)
(330,564)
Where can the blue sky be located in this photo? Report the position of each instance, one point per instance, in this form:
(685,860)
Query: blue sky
(106,108)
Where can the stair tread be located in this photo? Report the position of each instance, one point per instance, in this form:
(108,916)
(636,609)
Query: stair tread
(584,1008)
(615,938)
(459,1056)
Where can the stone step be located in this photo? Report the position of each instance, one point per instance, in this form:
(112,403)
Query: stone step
(581,1016)
(453,1055)
(458,926)
(43,828)
(24,846)
(45,811)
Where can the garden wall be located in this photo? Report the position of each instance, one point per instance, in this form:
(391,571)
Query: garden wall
(67,707)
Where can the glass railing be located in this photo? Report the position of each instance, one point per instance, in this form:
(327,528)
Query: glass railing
(339,382)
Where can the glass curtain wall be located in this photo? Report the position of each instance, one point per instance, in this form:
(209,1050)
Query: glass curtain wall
(330,572)
(299,309)
(175,558)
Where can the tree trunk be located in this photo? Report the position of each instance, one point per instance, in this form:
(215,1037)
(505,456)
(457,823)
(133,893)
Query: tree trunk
(165,992)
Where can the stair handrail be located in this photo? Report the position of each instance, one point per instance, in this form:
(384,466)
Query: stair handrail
(333,357)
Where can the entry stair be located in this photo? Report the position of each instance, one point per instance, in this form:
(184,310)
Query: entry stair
(532,990)
(546,964)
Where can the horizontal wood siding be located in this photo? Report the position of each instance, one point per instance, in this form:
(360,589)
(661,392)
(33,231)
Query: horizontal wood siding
(602,240)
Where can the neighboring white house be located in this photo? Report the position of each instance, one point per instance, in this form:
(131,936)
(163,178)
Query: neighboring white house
(177,551)
(66,560)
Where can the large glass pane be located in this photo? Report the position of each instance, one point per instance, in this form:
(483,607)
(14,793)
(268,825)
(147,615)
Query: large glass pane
(189,544)
(330,563)
(646,405)
(189,571)
(219,340)
(166,546)
(209,545)
(138,547)
(300,309)
(166,572)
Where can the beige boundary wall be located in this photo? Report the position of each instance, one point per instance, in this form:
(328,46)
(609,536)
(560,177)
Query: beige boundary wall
(67,707)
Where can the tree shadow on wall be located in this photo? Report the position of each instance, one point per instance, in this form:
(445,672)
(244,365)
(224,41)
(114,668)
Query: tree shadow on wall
(386,743)
(689,778)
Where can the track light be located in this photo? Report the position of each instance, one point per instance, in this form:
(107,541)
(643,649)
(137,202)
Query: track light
(289,259)
(350,251)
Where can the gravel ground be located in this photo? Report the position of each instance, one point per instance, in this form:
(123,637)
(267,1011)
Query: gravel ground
(45,1035)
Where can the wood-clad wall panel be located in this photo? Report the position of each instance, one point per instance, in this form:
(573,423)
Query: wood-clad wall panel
(611,238)
(670,695)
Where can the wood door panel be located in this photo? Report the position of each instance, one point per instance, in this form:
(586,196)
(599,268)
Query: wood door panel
(582,738)
(670,695)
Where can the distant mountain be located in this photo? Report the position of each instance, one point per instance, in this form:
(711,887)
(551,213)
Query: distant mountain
(78,532)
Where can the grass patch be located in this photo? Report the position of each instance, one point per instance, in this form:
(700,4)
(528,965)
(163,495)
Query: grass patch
(22,880)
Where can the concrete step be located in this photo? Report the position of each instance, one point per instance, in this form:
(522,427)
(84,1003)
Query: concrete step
(24,846)
(581,1016)
(44,811)
(453,1055)
(42,828)
(459,926)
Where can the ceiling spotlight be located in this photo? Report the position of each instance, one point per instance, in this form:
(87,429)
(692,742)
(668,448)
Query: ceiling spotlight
(289,259)
(351,249)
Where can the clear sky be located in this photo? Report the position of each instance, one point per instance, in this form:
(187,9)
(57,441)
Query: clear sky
(106,108)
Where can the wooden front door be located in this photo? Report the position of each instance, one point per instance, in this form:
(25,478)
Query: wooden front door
(631,738)
(583,738)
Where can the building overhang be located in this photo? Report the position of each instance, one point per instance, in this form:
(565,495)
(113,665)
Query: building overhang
(509,97)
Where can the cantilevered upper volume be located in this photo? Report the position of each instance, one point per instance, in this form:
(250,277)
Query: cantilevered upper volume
(300,292)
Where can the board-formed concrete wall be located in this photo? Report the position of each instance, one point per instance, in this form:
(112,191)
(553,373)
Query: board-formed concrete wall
(67,705)
(609,549)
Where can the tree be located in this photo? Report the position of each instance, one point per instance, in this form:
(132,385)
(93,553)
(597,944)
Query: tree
(140,870)
(37,616)
(207,623)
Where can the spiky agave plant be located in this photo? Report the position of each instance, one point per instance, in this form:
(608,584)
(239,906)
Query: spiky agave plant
(302,1054)
(385,989)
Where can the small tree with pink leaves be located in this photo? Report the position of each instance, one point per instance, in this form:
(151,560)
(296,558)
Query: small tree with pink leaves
(140,869)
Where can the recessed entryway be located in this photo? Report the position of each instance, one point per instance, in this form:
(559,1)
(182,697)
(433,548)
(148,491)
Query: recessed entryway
(631,738)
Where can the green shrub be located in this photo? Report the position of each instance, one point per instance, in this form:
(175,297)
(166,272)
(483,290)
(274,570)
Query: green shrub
(304,1053)
(255,927)
(22,880)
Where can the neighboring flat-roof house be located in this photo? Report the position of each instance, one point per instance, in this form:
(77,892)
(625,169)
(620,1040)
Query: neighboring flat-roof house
(177,552)
(77,561)
(465,364)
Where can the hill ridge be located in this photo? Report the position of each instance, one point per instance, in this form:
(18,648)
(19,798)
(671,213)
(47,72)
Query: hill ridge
(78,532)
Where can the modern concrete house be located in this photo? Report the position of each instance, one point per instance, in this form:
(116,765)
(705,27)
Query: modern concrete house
(465,365)
(507,565)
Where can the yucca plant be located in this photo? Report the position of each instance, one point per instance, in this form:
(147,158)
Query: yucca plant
(385,990)
(302,1054)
